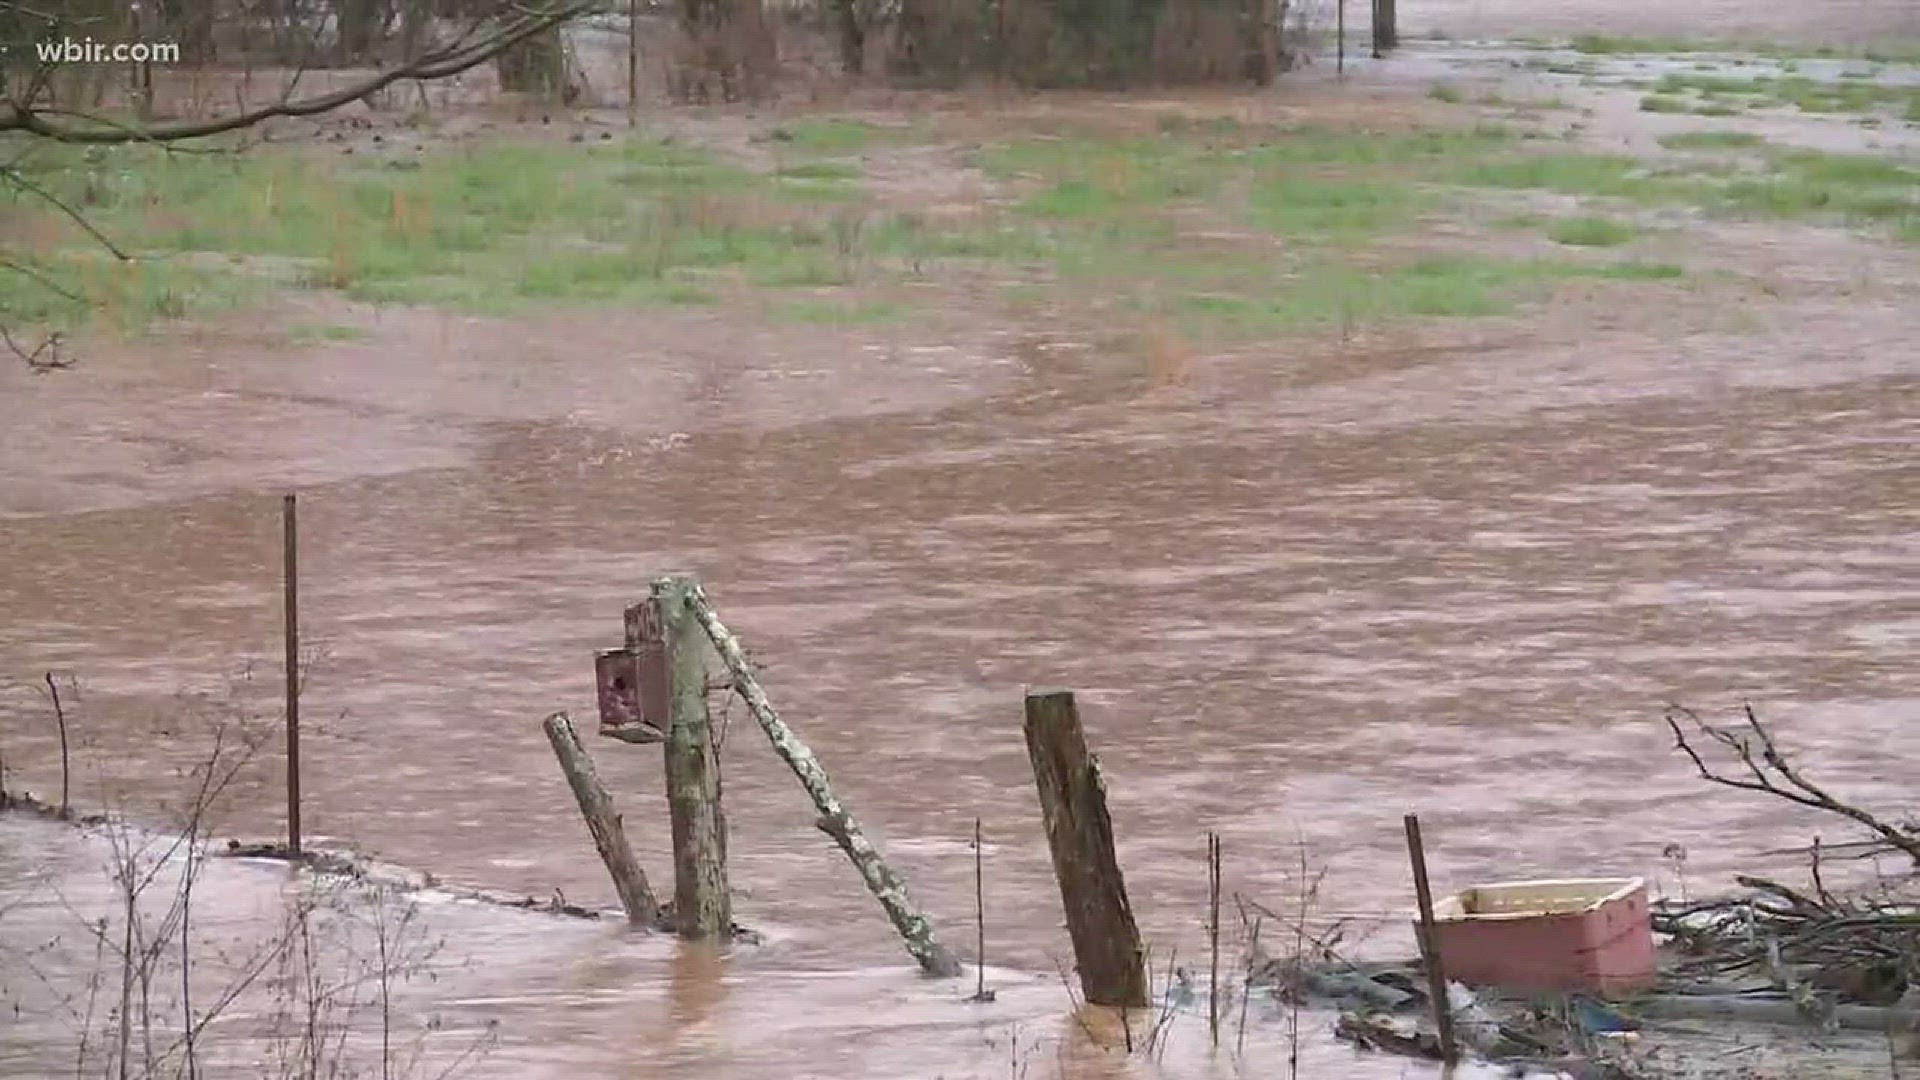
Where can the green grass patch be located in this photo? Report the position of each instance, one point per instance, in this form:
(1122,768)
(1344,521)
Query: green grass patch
(1711,140)
(483,227)
(1854,188)
(1662,103)
(1306,208)
(1861,189)
(1608,175)
(1448,93)
(838,313)
(1312,145)
(1680,83)
(828,135)
(1613,45)
(1786,91)
(1122,180)
(1620,45)
(1433,287)
(1590,231)
(319,333)
(1564,67)
(87,285)
(818,170)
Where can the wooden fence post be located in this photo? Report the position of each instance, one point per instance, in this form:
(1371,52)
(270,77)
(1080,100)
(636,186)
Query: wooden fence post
(1429,948)
(702,905)
(603,822)
(1073,803)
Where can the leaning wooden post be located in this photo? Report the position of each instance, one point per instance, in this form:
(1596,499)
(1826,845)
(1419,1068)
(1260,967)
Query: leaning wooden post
(702,906)
(835,820)
(603,822)
(1429,948)
(1073,803)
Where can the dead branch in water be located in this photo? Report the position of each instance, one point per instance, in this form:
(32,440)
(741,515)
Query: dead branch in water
(45,356)
(1816,946)
(1769,772)
(60,717)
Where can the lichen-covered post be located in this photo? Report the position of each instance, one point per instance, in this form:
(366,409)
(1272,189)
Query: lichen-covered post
(702,904)
(915,929)
(1073,803)
(603,822)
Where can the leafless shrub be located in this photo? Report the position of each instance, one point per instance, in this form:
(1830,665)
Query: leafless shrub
(145,991)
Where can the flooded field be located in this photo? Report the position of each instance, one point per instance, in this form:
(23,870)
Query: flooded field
(1304,583)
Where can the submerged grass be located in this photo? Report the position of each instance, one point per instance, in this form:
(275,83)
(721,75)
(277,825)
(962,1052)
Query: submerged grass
(838,313)
(1853,188)
(1431,287)
(1615,45)
(1858,94)
(1590,231)
(1712,140)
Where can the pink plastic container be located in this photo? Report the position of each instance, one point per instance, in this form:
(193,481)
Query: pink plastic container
(1593,935)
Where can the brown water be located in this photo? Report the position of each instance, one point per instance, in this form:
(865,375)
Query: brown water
(1299,596)
(1300,592)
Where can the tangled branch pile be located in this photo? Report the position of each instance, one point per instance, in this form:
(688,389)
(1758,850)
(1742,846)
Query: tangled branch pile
(1821,945)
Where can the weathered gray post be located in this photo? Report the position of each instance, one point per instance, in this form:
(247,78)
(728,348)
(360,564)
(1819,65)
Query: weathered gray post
(702,905)
(1073,803)
(603,822)
(915,929)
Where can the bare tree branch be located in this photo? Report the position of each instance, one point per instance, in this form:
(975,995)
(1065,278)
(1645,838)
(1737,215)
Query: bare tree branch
(43,279)
(14,177)
(438,64)
(1769,772)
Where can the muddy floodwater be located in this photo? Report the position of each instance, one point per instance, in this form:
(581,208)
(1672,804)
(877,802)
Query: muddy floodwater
(1299,591)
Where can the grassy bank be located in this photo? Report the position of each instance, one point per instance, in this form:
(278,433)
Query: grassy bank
(1258,229)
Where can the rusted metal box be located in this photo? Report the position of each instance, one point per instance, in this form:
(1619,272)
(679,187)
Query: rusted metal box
(632,682)
(1588,934)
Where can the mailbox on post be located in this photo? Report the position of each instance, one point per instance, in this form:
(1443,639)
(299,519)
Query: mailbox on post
(632,681)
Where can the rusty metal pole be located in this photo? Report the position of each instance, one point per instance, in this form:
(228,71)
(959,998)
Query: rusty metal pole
(1429,952)
(290,606)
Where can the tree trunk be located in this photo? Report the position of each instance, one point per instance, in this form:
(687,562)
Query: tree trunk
(359,24)
(851,23)
(537,65)
(725,51)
